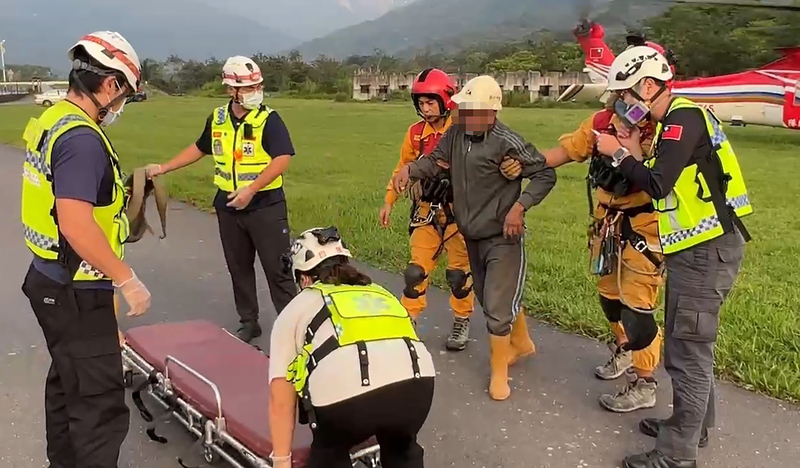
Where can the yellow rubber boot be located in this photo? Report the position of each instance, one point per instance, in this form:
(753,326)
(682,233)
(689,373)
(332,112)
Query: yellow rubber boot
(501,351)
(521,343)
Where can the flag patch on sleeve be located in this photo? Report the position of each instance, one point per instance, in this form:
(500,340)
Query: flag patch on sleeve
(672,132)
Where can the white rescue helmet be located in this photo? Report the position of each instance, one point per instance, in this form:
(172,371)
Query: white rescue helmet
(112,51)
(240,71)
(635,64)
(312,247)
(480,93)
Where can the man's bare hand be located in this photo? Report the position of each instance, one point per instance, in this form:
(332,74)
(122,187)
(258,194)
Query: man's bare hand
(510,167)
(607,144)
(400,180)
(515,222)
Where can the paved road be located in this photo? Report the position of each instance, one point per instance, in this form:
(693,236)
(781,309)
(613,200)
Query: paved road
(551,420)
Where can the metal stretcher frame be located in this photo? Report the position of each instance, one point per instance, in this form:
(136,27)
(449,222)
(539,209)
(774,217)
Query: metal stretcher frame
(211,430)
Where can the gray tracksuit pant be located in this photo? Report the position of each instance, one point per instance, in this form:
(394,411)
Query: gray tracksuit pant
(498,275)
(698,282)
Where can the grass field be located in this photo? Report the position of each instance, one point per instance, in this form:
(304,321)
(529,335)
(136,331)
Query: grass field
(345,155)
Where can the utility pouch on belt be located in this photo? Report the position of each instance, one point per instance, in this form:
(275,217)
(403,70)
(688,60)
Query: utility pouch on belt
(603,246)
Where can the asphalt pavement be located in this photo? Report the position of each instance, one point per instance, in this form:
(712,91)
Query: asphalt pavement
(552,418)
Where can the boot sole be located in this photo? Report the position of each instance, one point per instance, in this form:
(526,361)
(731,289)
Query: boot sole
(613,376)
(617,410)
(455,347)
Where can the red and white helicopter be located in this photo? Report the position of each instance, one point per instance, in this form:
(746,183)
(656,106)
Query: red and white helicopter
(769,95)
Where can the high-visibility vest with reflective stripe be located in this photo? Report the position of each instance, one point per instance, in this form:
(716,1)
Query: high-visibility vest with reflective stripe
(239,156)
(687,215)
(359,314)
(38,199)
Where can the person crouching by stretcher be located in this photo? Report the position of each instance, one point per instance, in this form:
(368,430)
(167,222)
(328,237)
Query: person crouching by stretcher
(347,350)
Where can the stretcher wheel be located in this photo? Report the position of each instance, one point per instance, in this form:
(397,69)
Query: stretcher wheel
(127,379)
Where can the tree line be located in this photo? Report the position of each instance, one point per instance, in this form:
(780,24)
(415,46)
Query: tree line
(707,40)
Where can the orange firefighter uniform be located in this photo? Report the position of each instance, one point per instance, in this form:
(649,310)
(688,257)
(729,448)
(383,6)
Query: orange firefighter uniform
(431,233)
(634,276)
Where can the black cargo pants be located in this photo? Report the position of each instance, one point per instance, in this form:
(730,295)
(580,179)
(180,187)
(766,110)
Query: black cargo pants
(498,275)
(264,231)
(698,282)
(86,417)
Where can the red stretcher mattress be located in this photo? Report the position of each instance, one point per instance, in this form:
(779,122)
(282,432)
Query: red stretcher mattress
(240,371)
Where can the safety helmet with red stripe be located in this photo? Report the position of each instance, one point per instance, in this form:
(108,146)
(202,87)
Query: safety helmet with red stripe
(113,52)
(240,71)
(436,84)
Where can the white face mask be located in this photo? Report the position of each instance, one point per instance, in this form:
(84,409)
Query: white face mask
(112,116)
(251,100)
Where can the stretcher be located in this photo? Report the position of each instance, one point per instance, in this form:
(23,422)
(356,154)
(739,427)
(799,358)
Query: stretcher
(216,386)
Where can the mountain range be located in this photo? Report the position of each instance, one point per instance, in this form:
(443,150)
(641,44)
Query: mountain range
(40,31)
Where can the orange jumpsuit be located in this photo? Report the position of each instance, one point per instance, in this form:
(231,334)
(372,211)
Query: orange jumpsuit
(636,280)
(430,236)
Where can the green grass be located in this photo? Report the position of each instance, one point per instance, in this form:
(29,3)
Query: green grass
(346,152)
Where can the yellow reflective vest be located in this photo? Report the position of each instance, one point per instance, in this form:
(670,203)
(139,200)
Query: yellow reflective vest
(38,199)
(359,314)
(239,156)
(688,215)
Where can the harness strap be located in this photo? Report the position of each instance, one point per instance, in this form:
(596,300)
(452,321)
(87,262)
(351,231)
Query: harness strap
(323,315)
(151,427)
(414,356)
(725,213)
(327,347)
(363,361)
(637,241)
(136,396)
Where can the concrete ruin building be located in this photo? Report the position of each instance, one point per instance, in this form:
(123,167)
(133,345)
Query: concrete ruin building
(539,85)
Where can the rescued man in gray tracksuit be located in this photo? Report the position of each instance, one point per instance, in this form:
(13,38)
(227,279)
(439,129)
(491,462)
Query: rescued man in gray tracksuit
(489,211)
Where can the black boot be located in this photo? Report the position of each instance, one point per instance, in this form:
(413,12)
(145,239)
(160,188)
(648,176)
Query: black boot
(656,459)
(248,331)
(649,426)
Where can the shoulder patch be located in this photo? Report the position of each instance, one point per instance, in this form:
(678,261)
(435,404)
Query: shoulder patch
(672,132)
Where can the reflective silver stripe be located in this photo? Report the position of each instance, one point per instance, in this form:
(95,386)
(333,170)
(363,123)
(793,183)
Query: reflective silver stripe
(89,270)
(221,173)
(704,225)
(39,240)
(718,136)
(247,177)
(39,161)
(221,117)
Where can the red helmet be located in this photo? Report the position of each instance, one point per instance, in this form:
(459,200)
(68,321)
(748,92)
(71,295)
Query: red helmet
(436,84)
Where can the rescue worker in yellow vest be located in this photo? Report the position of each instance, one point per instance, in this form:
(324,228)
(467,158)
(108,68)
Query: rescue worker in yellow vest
(347,350)
(698,190)
(251,148)
(74,223)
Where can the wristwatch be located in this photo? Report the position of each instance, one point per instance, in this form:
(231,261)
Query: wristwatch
(619,155)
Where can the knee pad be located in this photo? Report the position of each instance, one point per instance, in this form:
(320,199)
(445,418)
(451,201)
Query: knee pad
(457,279)
(612,309)
(414,276)
(641,329)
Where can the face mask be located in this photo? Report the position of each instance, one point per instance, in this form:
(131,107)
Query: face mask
(631,115)
(251,100)
(111,116)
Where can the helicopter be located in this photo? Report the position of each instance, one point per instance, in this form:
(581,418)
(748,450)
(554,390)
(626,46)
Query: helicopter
(765,96)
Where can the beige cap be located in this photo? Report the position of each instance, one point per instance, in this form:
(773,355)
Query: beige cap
(481,92)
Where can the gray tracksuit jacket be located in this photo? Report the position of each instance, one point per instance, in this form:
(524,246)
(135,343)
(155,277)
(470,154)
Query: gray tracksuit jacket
(482,196)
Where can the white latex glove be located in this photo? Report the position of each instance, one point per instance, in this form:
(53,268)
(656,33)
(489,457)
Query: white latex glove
(281,462)
(136,295)
(153,170)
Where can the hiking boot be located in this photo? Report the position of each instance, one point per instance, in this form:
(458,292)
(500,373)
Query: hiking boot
(248,331)
(656,459)
(639,393)
(650,427)
(459,335)
(619,362)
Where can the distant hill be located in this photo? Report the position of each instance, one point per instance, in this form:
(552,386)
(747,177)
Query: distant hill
(308,19)
(450,25)
(40,31)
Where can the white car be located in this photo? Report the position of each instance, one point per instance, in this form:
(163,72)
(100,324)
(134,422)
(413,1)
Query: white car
(48,98)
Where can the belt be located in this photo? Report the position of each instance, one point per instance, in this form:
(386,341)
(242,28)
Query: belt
(636,240)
